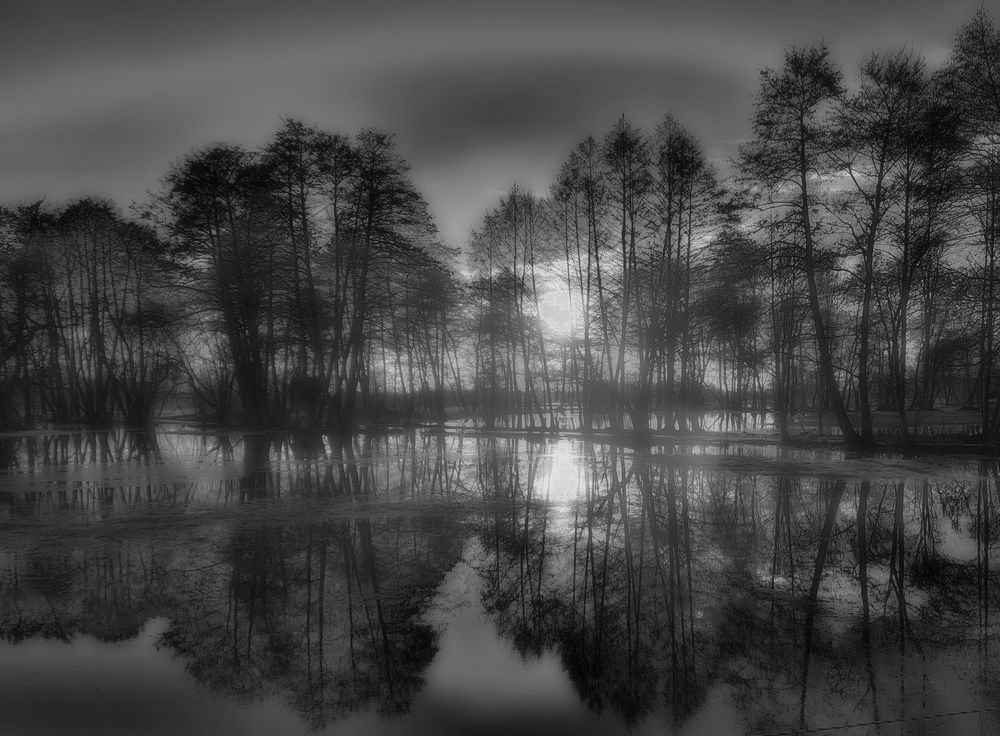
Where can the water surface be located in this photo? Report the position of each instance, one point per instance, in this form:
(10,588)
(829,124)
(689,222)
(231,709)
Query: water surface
(456,582)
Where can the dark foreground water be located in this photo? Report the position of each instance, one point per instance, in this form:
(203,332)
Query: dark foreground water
(421,583)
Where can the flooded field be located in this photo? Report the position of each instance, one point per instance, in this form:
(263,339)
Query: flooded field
(455,582)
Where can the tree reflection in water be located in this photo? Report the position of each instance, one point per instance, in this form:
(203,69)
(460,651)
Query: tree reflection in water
(609,583)
(808,589)
(820,600)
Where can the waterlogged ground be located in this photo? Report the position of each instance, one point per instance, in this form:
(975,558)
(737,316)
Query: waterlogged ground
(457,582)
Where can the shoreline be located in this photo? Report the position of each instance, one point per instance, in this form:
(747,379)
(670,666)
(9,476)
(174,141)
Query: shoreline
(942,443)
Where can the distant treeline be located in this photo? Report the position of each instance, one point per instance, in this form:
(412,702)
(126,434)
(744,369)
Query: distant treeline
(849,264)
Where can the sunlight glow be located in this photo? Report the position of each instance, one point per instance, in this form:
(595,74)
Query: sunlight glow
(557,312)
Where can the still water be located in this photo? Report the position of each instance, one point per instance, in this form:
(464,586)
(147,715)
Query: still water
(421,582)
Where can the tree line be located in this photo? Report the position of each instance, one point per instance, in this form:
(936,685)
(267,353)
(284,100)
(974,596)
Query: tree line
(848,265)
(285,284)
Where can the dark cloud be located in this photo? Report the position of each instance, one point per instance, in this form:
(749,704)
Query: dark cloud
(518,103)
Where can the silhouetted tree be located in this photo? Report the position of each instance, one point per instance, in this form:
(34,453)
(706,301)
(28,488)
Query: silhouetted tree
(788,156)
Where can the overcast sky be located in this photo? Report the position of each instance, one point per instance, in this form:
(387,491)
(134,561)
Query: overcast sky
(100,96)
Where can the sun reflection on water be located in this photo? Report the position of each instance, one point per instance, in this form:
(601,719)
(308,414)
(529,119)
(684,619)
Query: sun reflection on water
(564,479)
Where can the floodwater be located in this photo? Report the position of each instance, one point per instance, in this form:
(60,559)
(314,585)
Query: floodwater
(429,582)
